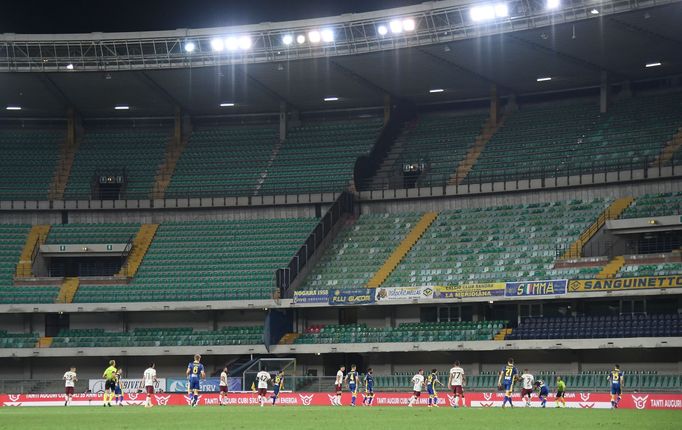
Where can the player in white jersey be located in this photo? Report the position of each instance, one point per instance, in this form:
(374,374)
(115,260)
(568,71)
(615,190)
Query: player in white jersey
(263,379)
(417,386)
(70,378)
(223,387)
(338,386)
(456,381)
(149,378)
(527,381)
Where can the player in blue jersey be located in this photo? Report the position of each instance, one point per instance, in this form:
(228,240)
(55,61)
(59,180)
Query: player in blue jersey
(353,378)
(195,372)
(543,392)
(369,388)
(431,382)
(277,386)
(118,389)
(506,380)
(616,379)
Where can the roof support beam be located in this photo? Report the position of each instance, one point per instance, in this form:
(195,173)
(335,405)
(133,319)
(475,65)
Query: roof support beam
(57,92)
(264,88)
(364,81)
(154,86)
(639,30)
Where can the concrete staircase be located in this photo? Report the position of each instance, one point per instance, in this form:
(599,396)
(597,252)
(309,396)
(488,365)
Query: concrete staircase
(67,154)
(176,146)
(44,342)
(264,174)
(465,166)
(402,249)
(289,338)
(143,239)
(614,210)
(669,150)
(502,334)
(386,169)
(611,268)
(68,290)
(35,238)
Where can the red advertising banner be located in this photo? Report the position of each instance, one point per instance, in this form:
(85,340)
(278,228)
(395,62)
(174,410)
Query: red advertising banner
(486,400)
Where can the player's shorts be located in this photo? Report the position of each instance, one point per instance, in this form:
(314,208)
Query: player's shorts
(109,385)
(526,392)
(416,393)
(276,390)
(118,390)
(338,388)
(68,391)
(149,389)
(223,388)
(458,389)
(544,392)
(194,384)
(352,388)
(507,385)
(559,394)
(262,391)
(369,390)
(615,389)
(431,391)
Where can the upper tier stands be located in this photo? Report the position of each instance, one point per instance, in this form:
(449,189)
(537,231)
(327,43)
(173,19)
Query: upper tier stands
(320,156)
(12,239)
(66,234)
(180,336)
(139,152)
(209,260)
(18,340)
(223,161)
(441,142)
(405,332)
(563,139)
(358,250)
(28,162)
(655,205)
(586,327)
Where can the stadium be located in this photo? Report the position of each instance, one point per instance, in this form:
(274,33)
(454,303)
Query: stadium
(318,212)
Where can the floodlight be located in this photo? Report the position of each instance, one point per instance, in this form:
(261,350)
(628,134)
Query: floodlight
(190,46)
(382,30)
(300,39)
(327,35)
(217,44)
(553,4)
(231,43)
(594,11)
(69,66)
(408,24)
(314,36)
(245,42)
(396,26)
(287,39)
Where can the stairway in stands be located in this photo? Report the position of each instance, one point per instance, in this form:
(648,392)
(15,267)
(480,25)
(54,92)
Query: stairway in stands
(669,150)
(35,238)
(176,146)
(402,249)
(611,268)
(386,169)
(68,290)
(62,172)
(143,239)
(488,131)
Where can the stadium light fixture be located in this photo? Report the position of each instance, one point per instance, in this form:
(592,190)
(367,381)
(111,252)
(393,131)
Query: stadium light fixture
(217,44)
(13,108)
(656,64)
(245,43)
(544,79)
(314,36)
(382,30)
(488,12)
(331,99)
(231,43)
(327,35)
(227,104)
(436,90)
(396,26)
(69,66)
(300,39)
(594,11)
(190,47)
(408,24)
(287,39)
(121,107)
(553,4)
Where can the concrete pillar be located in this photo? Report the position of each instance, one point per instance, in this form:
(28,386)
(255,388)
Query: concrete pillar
(604,93)
(387,108)
(295,119)
(494,104)
(282,121)
(511,106)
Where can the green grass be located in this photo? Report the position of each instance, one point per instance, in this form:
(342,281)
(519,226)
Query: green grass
(328,418)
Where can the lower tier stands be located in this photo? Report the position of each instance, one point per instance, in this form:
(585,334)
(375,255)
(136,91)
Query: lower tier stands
(18,340)
(28,162)
(654,205)
(591,327)
(405,332)
(209,260)
(140,337)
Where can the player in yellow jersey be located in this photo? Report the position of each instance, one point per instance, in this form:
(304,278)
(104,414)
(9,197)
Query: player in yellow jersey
(109,376)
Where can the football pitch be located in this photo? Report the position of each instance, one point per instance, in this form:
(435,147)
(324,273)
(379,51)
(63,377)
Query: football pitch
(331,418)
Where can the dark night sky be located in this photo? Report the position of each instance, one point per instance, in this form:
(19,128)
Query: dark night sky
(76,16)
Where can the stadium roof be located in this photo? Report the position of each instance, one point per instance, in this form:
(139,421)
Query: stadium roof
(572,53)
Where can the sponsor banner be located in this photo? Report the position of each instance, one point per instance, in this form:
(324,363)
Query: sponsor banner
(403,293)
(312,296)
(536,288)
(640,283)
(470,290)
(485,400)
(127,385)
(355,296)
(208,385)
